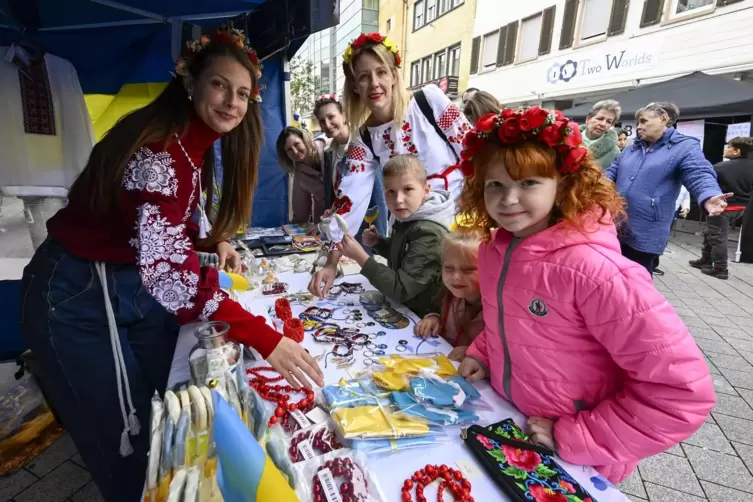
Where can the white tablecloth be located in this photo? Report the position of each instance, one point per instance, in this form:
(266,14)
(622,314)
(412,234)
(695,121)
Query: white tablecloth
(392,469)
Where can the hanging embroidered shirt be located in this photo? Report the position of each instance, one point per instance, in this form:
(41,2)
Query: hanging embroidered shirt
(415,135)
(155,230)
(45,140)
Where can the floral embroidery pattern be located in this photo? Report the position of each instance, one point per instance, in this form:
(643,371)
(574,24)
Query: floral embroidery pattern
(448,117)
(407,137)
(538,476)
(151,172)
(457,138)
(194,182)
(388,141)
(211,306)
(161,248)
(342,205)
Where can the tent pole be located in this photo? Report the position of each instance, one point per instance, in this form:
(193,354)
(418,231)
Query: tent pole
(102,25)
(132,10)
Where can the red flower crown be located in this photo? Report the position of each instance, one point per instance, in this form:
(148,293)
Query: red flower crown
(325,99)
(225,35)
(526,124)
(367,39)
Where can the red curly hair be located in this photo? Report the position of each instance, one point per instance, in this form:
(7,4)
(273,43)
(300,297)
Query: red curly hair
(586,189)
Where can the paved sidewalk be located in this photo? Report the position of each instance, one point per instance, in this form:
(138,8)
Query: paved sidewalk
(715,464)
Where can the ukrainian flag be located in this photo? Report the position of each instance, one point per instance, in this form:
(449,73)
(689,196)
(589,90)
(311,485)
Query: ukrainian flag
(106,109)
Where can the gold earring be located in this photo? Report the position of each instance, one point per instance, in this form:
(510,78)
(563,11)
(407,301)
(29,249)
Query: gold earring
(190,98)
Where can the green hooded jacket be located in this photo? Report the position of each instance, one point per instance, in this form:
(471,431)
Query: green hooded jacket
(604,149)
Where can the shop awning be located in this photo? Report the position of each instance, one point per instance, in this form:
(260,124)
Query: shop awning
(697,95)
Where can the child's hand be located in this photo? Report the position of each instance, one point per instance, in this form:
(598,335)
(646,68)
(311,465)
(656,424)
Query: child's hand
(458,353)
(541,431)
(429,326)
(352,249)
(370,237)
(472,370)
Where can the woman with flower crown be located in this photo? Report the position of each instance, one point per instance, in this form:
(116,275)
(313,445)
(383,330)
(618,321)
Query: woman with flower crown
(389,121)
(103,295)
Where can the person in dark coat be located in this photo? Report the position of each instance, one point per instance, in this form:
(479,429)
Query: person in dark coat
(735,176)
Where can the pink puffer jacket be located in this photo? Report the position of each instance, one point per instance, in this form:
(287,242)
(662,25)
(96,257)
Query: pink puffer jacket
(583,337)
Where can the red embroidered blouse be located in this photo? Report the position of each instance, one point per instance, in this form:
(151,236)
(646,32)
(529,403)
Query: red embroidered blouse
(155,230)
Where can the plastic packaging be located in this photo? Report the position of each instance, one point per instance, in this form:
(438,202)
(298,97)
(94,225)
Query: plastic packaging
(312,442)
(340,476)
(191,492)
(353,393)
(380,422)
(177,486)
(379,446)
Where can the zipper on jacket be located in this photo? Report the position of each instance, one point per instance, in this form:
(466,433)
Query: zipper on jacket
(507,373)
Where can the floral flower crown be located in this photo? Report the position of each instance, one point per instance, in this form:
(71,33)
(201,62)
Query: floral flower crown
(325,99)
(225,35)
(526,124)
(366,39)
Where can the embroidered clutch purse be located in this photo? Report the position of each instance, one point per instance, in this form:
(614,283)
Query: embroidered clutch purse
(523,470)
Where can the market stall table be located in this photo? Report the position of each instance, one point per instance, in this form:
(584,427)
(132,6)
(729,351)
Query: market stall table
(393,468)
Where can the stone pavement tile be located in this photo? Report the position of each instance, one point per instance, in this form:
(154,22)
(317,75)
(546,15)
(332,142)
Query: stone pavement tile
(60,451)
(57,485)
(657,493)
(670,471)
(707,310)
(728,333)
(738,378)
(722,386)
(719,321)
(694,301)
(746,453)
(718,493)
(633,485)
(15,483)
(693,321)
(741,321)
(89,493)
(710,436)
(726,361)
(633,498)
(712,368)
(677,449)
(730,309)
(686,311)
(741,345)
(733,406)
(736,429)
(716,346)
(746,394)
(727,470)
(705,333)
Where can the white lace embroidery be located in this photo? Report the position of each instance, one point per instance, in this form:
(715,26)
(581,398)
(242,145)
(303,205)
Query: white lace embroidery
(211,306)
(152,172)
(159,245)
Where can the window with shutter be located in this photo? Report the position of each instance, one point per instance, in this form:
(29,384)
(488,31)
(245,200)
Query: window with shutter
(680,9)
(722,3)
(502,45)
(415,73)
(595,20)
(547,30)
(418,15)
(568,24)
(652,11)
(475,52)
(530,37)
(454,62)
(512,33)
(619,16)
(489,50)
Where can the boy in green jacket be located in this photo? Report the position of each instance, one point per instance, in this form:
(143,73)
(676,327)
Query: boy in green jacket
(413,250)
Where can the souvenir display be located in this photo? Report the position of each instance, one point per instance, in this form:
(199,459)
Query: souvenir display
(214,353)
(261,380)
(277,288)
(279,249)
(307,243)
(270,278)
(345,288)
(293,329)
(523,470)
(450,479)
(293,229)
(259,232)
(340,476)
(379,446)
(379,309)
(283,310)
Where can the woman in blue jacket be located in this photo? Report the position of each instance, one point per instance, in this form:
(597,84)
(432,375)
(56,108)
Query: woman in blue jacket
(649,174)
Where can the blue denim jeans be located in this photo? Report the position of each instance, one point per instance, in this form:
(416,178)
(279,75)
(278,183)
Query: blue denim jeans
(65,324)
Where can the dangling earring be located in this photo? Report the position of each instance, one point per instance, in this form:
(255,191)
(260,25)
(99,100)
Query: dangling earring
(190,98)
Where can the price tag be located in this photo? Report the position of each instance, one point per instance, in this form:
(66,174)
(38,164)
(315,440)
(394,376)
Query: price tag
(306,450)
(299,417)
(468,468)
(317,415)
(328,483)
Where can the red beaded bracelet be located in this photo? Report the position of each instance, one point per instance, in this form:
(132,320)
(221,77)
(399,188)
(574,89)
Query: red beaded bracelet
(278,394)
(452,479)
(323,441)
(353,489)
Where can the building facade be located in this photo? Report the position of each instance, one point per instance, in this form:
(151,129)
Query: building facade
(325,49)
(564,52)
(393,15)
(436,42)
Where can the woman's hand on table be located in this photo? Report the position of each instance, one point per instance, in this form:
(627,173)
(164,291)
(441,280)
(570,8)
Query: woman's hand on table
(292,361)
(541,431)
(352,249)
(322,281)
(458,353)
(429,326)
(229,257)
(472,370)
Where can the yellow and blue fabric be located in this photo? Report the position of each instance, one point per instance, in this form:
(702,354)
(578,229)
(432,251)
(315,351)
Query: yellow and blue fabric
(409,407)
(436,393)
(354,393)
(244,473)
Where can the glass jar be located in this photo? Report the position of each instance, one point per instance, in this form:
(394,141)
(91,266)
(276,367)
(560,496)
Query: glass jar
(214,354)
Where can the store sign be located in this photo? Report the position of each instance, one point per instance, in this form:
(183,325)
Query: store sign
(738,130)
(580,67)
(448,85)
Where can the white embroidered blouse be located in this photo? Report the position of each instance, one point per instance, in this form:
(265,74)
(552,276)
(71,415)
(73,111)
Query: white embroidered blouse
(415,135)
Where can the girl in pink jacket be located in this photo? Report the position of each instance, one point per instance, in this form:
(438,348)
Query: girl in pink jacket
(576,335)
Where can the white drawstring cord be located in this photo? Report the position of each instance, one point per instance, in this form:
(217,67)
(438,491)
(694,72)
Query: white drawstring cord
(131,424)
